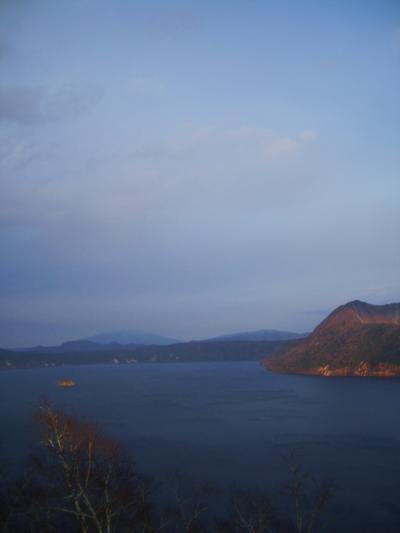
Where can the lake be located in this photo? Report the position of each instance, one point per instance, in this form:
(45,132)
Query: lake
(230,425)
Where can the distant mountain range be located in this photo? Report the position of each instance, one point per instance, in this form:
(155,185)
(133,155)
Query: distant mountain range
(129,340)
(131,337)
(356,339)
(123,354)
(78,347)
(143,347)
(117,340)
(260,335)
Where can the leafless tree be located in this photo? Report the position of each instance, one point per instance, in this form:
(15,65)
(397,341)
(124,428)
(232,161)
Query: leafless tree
(188,510)
(84,481)
(309,495)
(80,481)
(296,509)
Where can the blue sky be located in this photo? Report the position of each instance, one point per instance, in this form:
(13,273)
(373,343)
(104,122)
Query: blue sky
(195,168)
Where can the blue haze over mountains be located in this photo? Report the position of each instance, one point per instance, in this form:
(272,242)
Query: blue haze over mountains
(131,339)
(260,335)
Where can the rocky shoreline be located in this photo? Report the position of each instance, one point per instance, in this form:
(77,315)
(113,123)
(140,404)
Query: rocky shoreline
(364,369)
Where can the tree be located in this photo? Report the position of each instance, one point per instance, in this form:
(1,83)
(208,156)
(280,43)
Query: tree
(80,481)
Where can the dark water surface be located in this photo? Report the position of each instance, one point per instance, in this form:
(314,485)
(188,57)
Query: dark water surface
(229,424)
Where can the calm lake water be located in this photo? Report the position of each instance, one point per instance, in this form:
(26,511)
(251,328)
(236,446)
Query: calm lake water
(229,425)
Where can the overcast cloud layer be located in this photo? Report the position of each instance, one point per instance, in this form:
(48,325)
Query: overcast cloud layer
(195,168)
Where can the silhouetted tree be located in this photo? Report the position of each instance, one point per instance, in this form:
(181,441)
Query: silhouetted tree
(304,502)
(309,496)
(80,481)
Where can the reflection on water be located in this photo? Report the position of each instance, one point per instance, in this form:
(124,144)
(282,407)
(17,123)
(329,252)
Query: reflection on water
(230,424)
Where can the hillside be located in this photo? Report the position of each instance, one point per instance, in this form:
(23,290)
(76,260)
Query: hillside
(125,340)
(131,337)
(122,340)
(83,346)
(259,335)
(356,339)
(176,353)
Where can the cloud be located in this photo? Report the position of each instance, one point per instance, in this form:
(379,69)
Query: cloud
(259,140)
(202,151)
(241,168)
(16,154)
(173,22)
(32,105)
(281,146)
(145,87)
(307,135)
(20,104)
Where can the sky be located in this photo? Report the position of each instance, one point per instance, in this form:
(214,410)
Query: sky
(195,168)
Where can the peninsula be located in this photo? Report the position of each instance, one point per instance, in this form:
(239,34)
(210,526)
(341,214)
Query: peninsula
(356,339)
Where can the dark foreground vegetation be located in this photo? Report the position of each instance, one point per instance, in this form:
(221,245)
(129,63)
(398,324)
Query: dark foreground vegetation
(184,352)
(80,481)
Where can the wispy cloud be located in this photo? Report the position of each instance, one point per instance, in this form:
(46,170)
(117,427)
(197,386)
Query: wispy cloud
(16,154)
(173,22)
(32,105)
(21,104)
(282,146)
(180,171)
(262,141)
(145,86)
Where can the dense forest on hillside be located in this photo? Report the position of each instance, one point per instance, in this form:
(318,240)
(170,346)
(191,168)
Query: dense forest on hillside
(357,339)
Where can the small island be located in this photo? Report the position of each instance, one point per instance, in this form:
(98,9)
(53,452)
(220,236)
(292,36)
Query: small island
(63,382)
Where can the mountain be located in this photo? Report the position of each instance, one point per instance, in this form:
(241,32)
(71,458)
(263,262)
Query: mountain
(120,340)
(131,337)
(259,335)
(82,346)
(356,339)
(175,353)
